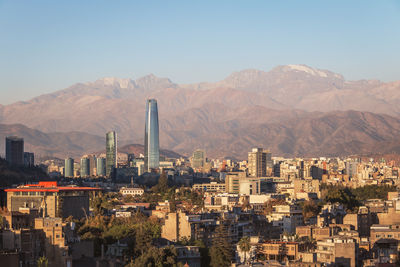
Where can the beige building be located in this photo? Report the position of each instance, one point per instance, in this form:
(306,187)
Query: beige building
(176,227)
(338,249)
(55,244)
(279,250)
(232,182)
(211,187)
(307,185)
(126,191)
(249,187)
(50,200)
(380,231)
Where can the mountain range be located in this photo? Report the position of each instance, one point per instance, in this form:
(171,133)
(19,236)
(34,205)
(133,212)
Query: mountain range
(294,110)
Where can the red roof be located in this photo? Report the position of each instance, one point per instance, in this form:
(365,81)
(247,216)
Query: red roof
(50,186)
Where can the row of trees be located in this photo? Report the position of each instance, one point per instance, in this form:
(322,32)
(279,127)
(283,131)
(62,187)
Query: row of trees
(19,174)
(353,198)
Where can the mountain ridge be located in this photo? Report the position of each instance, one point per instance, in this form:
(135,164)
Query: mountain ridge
(192,115)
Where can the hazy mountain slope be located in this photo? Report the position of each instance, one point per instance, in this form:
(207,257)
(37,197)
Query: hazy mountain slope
(335,133)
(68,144)
(247,108)
(299,134)
(52,144)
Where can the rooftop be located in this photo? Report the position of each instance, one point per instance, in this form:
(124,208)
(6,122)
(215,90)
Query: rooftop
(51,186)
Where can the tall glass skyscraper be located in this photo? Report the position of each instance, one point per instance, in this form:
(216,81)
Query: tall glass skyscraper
(101,166)
(111,152)
(85,167)
(151,141)
(69,167)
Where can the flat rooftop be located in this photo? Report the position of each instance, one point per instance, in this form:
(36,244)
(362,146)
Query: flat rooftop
(51,186)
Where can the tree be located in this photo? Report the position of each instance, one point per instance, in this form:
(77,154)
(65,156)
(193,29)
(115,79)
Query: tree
(162,185)
(246,204)
(269,205)
(2,222)
(310,209)
(221,250)
(157,257)
(244,245)
(204,253)
(42,262)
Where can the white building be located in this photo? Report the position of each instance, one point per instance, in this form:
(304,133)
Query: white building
(131,191)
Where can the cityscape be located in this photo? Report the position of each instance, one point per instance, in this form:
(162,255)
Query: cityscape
(295,166)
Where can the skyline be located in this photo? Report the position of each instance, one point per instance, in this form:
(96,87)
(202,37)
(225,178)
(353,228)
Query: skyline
(50,46)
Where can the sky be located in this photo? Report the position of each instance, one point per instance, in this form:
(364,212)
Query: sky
(46,46)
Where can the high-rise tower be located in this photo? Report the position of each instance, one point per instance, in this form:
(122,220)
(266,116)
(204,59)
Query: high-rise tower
(151,140)
(257,163)
(85,166)
(198,159)
(69,167)
(111,152)
(101,167)
(15,150)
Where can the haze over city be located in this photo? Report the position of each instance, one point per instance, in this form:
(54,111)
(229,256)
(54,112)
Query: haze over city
(47,46)
(199,134)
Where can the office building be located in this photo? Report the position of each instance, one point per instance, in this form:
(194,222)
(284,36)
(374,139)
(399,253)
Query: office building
(69,167)
(92,162)
(257,163)
(85,166)
(151,137)
(101,167)
(29,159)
(198,159)
(232,181)
(111,152)
(15,150)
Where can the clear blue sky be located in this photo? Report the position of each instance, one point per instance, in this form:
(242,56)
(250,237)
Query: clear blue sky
(48,45)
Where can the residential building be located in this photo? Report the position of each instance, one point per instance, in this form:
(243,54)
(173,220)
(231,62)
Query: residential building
(339,250)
